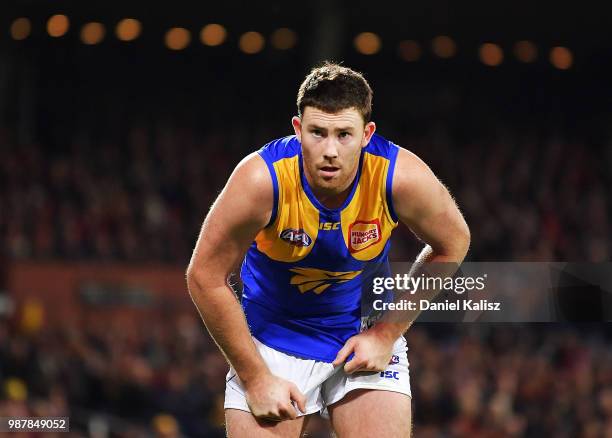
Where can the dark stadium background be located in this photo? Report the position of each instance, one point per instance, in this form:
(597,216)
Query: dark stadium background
(111,154)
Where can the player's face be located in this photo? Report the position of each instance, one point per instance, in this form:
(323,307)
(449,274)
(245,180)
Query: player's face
(331,146)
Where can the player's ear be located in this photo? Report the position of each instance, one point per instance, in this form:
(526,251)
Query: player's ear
(368,132)
(297,127)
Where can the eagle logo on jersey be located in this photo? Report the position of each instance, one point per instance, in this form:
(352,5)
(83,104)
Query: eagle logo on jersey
(363,234)
(318,280)
(296,237)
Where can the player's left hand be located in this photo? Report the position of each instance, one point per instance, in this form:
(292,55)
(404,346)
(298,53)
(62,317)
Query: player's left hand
(371,353)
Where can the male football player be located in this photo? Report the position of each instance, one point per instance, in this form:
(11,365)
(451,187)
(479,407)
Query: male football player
(310,217)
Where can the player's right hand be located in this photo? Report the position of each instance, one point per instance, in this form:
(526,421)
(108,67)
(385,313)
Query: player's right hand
(269,397)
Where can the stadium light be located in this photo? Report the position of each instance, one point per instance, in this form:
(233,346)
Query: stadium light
(20,29)
(443,47)
(491,54)
(58,25)
(561,57)
(409,50)
(213,35)
(525,51)
(251,42)
(92,33)
(367,43)
(283,38)
(128,29)
(177,38)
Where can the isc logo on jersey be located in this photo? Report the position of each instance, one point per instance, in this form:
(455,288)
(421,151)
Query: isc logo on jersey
(363,234)
(326,226)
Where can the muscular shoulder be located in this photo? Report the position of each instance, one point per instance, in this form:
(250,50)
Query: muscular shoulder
(415,187)
(252,174)
(423,203)
(249,193)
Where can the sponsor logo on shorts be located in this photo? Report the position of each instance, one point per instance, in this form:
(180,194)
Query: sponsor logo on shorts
(363,234)
(318,280)
(394,360)
(296,237)
(390,374)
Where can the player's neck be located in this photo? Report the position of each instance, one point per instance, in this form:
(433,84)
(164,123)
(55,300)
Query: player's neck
(333,199)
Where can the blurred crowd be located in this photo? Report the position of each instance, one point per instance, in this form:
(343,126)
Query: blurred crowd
(116,377)
(527,197)
(512,381)
(137,189)
(142,193)
(167,379)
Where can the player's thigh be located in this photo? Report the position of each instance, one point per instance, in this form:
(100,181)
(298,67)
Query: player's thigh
(242,424)
(372,413)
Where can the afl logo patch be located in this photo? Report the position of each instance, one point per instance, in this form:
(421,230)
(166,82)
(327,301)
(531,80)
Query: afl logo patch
(296,237)
(363,234)
(394,360)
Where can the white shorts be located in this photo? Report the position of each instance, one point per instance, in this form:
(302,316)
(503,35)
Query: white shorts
(319,381)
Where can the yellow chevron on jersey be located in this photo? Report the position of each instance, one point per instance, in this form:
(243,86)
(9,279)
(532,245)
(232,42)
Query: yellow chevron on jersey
(295,212)
(318,280)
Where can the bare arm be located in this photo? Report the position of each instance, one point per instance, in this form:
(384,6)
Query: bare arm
(423,204)
(241,210)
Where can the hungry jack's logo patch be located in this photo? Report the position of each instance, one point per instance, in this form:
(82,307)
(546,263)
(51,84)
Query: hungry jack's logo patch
(363,234)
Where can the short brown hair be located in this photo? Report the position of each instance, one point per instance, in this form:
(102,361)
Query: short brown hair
(333,88)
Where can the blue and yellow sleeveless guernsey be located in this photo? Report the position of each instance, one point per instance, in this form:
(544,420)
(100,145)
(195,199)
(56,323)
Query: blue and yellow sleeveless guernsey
(303,275)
